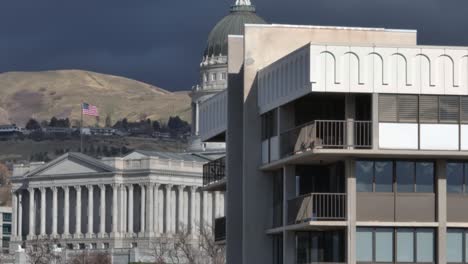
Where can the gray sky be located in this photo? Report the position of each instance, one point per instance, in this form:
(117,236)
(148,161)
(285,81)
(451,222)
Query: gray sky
(161,41)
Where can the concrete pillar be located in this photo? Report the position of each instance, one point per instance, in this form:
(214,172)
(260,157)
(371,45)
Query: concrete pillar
(441,166)
(43,211)
(130,209)
(14,221)
(351,210)
(20,214)
(32,213)
(54,211)
(289,192)
(115,212)
(90,210)
(142,207)
(150,208)
(123,206)
(168,207)
(204,203)
(375,121)
(156,217)
(180,208)
(102,211)
(78,211)
(192,215)
(350,112)
(66,209)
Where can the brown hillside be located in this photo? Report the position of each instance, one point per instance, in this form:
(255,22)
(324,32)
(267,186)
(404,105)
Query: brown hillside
(42,95)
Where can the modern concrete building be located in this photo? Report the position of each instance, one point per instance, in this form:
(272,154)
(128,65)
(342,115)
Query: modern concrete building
(114,204)
(344,145)
(5,233)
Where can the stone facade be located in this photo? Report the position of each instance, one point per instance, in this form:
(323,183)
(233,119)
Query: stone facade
(111,203)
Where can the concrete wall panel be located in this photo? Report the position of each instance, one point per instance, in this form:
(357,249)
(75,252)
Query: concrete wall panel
(439,137)
(398,136)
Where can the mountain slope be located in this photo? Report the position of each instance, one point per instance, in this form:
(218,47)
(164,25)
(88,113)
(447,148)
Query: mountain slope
(42,95)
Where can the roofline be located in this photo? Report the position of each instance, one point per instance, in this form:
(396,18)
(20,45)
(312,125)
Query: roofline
(332,27)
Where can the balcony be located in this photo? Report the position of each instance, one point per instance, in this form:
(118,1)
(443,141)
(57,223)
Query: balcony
(334,134)
(317,207)
(220,229)
(214,174)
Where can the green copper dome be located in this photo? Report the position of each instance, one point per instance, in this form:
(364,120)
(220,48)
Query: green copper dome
(233,24)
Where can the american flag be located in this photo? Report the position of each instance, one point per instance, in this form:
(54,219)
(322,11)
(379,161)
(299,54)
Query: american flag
(90,110)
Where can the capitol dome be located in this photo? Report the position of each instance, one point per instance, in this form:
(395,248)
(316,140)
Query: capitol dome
(233,24)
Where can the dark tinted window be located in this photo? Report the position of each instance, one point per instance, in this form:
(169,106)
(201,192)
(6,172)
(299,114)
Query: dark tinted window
(405,176)
(384,176)
(454,177)
(364,175)
(424,177)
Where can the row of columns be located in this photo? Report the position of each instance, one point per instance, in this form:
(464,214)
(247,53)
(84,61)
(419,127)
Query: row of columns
(152,210)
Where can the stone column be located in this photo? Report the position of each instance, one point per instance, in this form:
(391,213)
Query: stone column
(43,211)
(90,210)
(20,215)
(192,228)
(150,208)
(14,207)
(54,211)
(130,209)
(32,214)
(156,214)
(115,213)
(217,205)
(204,218)
(180,207)
(142,211)
(102,211)
(78,211)
(123,207)
(66,211)
(168,207)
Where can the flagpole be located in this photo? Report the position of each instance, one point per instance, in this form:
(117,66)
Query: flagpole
(81,128)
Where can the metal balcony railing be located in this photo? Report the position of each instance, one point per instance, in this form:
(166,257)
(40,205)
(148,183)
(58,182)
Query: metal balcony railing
(214,171)
(317,207)
(326,134)
(220,229)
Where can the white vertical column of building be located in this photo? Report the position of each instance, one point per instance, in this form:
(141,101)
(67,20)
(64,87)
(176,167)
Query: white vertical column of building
(123,206)
(20,214)
(351,210)
(14,208)
(78,211)
(66,209)
(130,209)
(115,213)
(168,206)
(102,211)
(441,166)
(142,208)
(161,203)
(204,204)
(180,208)
(150,208)
(32,213)
(156,213)
(43,211)
(90,210)
(192,213)
(54,211)
(217,204)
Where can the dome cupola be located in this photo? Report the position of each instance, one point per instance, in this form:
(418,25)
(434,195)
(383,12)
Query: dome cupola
(241,13)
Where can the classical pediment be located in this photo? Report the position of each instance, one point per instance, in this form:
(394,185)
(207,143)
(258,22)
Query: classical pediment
(71,163)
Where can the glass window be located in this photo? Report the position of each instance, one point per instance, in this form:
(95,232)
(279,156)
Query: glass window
(424,177)
(454,177)
(364,245)
(405,176)
(7,217)
(425,245)
(384,245)
(364,175)
(454,246)
(405,245)
(384,176)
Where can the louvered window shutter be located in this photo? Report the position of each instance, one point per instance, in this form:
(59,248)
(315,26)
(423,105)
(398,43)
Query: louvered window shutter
(408,108)
(449,109)
(387,108)
(464,109)
(428,109)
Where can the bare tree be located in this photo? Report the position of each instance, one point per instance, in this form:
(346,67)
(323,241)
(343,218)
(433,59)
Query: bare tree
(214,251)
(160,249)
(91,258)
(43,251)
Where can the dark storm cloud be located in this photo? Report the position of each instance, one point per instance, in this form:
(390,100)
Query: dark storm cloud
(161,41)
